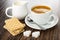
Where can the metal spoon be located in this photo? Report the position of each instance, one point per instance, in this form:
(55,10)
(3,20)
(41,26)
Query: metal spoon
(30,20)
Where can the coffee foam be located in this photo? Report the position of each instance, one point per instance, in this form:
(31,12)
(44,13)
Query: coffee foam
(41,9)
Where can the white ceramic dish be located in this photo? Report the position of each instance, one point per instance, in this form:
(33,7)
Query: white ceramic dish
(47,26)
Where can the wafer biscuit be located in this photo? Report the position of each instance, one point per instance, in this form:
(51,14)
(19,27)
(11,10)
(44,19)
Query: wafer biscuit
(14,26)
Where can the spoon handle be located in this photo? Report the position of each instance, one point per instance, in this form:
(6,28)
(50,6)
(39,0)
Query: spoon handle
(30,20)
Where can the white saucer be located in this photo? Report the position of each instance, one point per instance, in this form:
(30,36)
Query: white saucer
(47,26)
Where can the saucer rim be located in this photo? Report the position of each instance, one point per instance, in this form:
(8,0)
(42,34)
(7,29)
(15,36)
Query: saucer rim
(51,25)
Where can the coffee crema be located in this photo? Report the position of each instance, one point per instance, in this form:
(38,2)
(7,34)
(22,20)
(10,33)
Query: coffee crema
(40,9)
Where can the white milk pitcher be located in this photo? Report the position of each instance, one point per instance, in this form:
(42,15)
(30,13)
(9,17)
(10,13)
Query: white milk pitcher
(19,9)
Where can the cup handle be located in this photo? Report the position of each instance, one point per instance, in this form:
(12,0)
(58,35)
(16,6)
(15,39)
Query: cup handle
(7,11)
(52,18)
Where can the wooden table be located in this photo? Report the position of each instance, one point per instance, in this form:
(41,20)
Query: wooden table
(50,34)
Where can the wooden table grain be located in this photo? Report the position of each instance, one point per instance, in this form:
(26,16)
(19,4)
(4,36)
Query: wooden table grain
(49,34)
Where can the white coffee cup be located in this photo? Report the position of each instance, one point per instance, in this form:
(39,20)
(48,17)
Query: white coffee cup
(41,19)
(19,9)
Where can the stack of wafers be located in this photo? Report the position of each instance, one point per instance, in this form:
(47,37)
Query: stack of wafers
(14,26)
